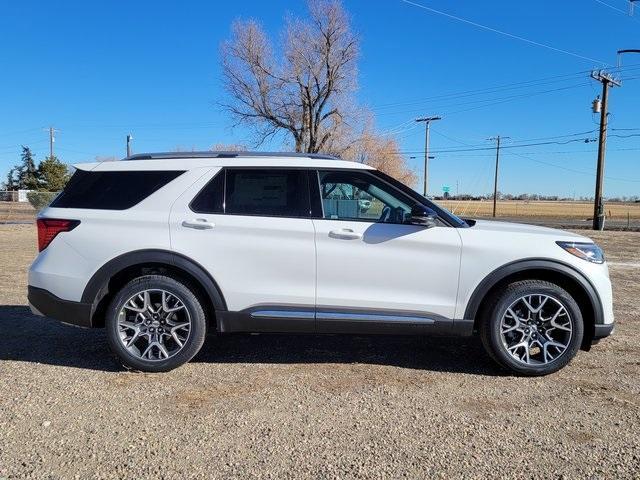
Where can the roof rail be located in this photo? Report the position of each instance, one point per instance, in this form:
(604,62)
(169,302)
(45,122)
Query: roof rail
(221,154)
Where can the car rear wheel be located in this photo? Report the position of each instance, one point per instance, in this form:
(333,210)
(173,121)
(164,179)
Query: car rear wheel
(155,323)
(532,328)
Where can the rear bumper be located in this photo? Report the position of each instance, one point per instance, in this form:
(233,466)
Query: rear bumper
(43,302)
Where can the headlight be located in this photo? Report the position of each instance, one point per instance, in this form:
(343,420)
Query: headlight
(586,251)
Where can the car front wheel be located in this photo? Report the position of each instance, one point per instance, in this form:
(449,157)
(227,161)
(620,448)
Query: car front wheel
(155,323)
(532,327)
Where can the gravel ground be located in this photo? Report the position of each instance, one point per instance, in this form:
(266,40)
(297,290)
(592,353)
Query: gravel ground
(312,406)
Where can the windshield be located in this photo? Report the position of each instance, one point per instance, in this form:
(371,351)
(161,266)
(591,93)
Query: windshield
(443,213)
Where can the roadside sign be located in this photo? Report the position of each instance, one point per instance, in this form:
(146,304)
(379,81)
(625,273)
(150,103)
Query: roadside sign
(446,188)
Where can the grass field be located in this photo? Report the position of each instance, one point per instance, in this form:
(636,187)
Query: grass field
(541,209)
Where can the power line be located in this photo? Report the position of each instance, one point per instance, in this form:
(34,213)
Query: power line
(19,132)
(17,146)
(452,138)
(488,101)
(578,134)
(504,87)
(611,7)
(624,136)
(482,148)
(554,137)
(506,34)
(573,170)
(482,91)
(527,95)
(561,152)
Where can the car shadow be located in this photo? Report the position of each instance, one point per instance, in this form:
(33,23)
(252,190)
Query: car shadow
(31,338)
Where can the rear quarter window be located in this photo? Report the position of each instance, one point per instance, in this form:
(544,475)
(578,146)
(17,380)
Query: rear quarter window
(117,190)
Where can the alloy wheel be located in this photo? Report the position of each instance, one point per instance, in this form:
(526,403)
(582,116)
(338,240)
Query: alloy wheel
(536,329)
(154,324)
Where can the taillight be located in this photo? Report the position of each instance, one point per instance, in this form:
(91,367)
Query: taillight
(48,228)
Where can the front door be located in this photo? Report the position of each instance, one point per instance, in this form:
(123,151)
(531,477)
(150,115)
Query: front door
(375,271)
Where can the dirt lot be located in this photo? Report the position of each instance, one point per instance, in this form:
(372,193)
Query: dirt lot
(16,212)
(312,407)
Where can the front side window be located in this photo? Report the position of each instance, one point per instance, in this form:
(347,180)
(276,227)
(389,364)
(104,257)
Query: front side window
(348,195)
(267,192)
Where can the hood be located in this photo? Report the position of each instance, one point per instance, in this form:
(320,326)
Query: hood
(508,227)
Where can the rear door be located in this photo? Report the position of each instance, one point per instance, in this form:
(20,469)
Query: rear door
(375,271)
(251,229)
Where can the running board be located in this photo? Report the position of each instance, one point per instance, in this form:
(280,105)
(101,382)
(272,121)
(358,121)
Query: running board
(294,319)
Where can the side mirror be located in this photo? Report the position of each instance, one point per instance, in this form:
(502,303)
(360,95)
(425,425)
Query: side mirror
(421,215)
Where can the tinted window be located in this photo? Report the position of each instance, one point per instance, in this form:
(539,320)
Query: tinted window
(211,197)
(443,213)
(111,190)
(348,195)
(271,192)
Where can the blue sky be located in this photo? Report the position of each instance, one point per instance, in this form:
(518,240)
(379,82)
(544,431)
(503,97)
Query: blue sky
(99,70)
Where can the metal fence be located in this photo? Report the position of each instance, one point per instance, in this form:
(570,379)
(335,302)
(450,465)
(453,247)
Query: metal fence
(8,196)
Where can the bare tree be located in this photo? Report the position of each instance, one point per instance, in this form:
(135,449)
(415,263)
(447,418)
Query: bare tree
(106,158)
(383,153)
(306,92)
(228,147)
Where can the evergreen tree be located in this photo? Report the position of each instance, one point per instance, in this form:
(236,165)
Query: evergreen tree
(27,171)
(10,182)
(53,174)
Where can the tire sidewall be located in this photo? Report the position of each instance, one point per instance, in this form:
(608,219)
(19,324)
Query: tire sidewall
(192,304)
(510,295)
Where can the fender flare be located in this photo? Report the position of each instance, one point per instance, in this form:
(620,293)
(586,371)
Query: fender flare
(518,266)
(97,286)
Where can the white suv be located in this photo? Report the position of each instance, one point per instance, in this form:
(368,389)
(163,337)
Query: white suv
(161,248)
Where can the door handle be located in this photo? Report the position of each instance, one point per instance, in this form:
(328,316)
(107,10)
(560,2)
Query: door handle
(345,234)
(198,224)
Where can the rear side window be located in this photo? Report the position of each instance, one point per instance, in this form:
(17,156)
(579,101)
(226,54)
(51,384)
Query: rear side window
(211,197)
(111,190)
(272,192)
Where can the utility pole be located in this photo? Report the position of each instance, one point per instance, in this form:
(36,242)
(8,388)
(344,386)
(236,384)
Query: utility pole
(129,138)
(607,80)
(427,121)
(495,178)
(52,138)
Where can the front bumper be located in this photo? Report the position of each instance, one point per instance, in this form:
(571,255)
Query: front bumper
(45,303)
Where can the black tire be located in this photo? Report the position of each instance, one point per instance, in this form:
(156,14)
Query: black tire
(195,337)
(490,327)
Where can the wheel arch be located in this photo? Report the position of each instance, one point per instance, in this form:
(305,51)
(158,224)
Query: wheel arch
(114,274)
(559,273)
